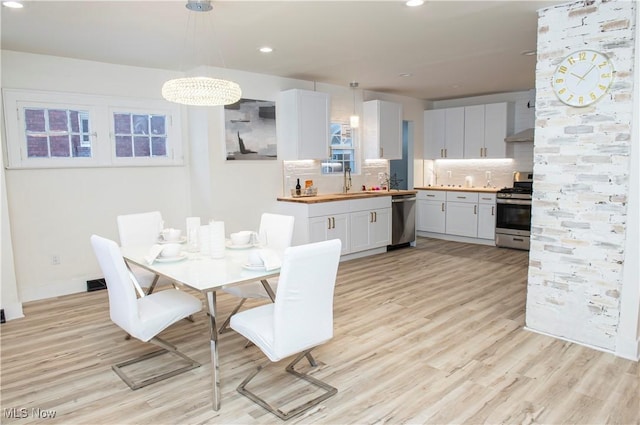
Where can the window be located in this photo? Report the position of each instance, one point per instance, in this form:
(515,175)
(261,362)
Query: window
(342,150)
(47,129)
(138,135)
(58,133)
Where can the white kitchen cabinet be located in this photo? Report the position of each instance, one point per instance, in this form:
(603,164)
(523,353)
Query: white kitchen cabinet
(335,226)
(431,211)
(382,129)
(462,214)
(487,216)
(302,125)
(361,224)
(370,229)
(485,127)
(444,133)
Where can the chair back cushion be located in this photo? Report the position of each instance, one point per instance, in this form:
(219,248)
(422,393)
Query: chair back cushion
(139,229)
(278,230)
(303,310)
(123,306)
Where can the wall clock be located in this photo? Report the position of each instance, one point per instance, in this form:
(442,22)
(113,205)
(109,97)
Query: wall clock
(582,77)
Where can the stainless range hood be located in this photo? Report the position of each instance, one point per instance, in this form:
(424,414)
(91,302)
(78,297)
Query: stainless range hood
(522,136)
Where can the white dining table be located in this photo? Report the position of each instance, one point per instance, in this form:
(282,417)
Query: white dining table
(206,275)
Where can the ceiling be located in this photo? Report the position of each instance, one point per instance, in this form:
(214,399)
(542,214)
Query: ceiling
(451,48)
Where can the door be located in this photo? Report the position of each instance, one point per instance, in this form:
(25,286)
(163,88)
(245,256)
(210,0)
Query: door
(431,216)
(486,221)
(462,219)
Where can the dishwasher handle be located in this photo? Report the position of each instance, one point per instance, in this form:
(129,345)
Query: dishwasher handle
(403,199)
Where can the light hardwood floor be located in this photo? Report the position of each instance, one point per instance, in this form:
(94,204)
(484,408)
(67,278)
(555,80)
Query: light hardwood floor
(432,334)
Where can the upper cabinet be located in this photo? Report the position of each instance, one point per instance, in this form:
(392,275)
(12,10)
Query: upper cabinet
(485,127)
(444,133)
(303,125)
(382,129)
(468,132)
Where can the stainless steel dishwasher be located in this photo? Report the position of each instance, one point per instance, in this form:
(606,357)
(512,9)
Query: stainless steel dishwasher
(403,220)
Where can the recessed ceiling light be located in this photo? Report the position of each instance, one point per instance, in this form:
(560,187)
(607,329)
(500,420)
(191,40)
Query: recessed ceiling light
(13,4)
(266,49)
(528,52)
(405,74)
(414,3)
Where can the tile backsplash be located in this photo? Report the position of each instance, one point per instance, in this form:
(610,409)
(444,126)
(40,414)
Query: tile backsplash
(368,176)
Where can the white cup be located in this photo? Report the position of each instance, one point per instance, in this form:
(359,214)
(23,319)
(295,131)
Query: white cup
(171,235)
(171,250)
(255,259)
(241,238)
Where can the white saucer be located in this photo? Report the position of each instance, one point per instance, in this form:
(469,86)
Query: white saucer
(251,267)
(183,239)
(171,259)
(230,245)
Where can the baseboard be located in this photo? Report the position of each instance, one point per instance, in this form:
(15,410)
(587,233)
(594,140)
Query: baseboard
(628,349)
(454,238)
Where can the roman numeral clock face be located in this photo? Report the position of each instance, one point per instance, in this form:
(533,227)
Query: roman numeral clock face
(582,78)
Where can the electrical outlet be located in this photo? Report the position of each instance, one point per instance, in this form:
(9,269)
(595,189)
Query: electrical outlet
(55,259)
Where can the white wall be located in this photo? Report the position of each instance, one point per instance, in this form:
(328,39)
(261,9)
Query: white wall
(54,211)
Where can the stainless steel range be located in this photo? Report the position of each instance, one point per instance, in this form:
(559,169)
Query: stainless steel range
(513,206)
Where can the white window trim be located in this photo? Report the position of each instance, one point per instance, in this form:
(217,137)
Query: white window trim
(101,109)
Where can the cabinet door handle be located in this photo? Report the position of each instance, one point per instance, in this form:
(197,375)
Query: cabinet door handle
(431,196)
(329,223)
(333,222)
(445,152)
(375,217)
(442,206)
(370,217)
(381,152)
(461,197)
(441,153)
(475,209)
(492,208)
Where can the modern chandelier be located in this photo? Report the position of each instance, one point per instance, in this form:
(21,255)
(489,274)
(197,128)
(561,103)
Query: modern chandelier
(201,91)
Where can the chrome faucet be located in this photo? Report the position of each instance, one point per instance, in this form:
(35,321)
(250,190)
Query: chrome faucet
(346,183)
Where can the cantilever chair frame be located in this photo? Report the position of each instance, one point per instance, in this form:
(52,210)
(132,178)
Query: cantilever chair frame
(166,348)
(329,391)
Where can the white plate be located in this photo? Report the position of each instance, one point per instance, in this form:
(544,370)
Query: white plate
(250,267)
(171,259)
(183,239)
(230,245)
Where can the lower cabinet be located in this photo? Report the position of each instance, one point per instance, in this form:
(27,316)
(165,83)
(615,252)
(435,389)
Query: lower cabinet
(431,211)
(370,229)
(462,214)
(487,216)
(361,224)
(329,227)
(459,214)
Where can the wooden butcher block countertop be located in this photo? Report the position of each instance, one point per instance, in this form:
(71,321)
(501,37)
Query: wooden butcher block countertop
(461,189)
(345,197)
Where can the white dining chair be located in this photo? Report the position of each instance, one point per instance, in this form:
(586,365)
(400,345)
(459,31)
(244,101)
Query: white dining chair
(142,318)
(141,229)
(300,319)
(276,232)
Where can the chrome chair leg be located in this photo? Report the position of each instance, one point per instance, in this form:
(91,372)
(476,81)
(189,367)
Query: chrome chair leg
(225,326)
(166,347)
(329,391)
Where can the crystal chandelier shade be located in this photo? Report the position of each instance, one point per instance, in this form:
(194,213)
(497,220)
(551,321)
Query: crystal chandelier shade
(201,91)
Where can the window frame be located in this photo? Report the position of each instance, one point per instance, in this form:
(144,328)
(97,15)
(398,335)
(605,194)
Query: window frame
(353,147)
(102,129)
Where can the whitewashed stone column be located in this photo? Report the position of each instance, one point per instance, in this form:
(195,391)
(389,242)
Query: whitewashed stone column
(581,169)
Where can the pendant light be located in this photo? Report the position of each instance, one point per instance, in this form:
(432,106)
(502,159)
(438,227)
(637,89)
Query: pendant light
(201,90)
(354,120)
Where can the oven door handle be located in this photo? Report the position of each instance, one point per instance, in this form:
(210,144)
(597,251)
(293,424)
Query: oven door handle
(513,201)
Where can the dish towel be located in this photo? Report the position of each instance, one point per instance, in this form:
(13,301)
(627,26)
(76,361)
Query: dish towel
(270,258)
(153,253)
